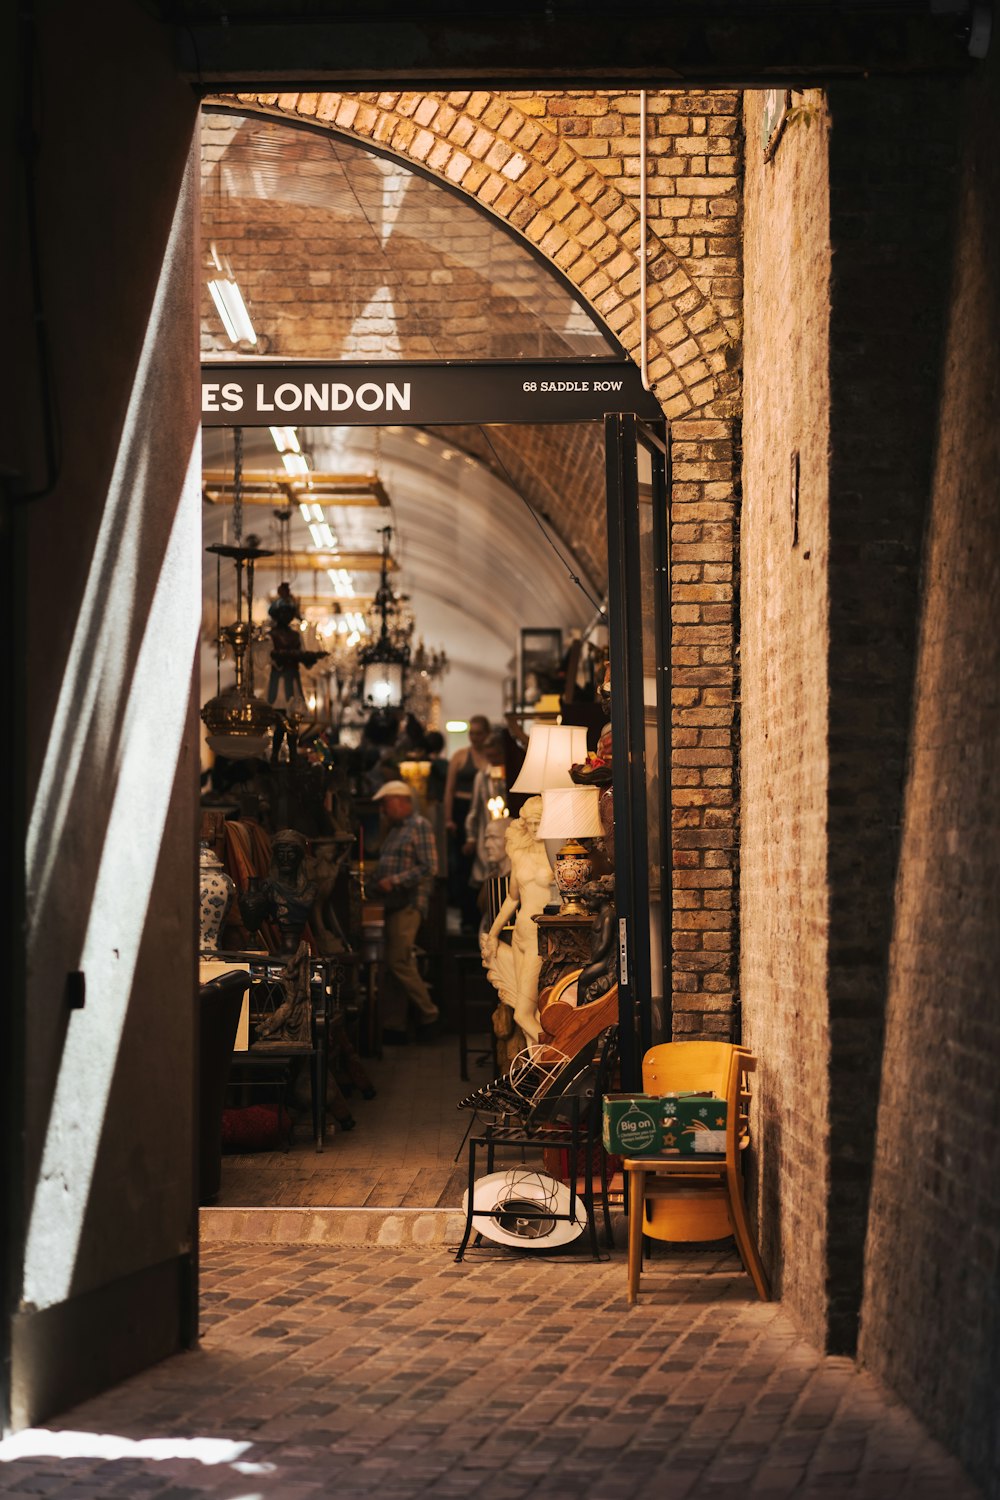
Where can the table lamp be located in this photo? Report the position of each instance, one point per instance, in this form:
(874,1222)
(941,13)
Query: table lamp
(552,749)
(571,813)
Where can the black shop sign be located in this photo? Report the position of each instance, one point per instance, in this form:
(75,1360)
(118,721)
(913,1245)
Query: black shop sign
(251,394)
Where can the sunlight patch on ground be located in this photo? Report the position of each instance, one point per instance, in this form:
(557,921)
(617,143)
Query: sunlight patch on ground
(41,1442)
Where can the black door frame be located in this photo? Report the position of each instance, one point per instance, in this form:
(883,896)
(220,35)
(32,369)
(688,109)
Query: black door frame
(624,434)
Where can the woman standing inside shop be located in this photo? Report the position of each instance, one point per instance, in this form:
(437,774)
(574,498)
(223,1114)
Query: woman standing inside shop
(462,770)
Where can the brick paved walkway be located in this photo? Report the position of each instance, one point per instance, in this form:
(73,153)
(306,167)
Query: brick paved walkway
(360,1372)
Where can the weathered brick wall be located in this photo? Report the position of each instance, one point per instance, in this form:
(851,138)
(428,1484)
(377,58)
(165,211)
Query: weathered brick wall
(891,164)
(844,1032)
(930,1320)
(562,169)
(784,649)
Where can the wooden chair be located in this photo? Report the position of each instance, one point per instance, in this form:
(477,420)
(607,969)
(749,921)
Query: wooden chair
(700,1197)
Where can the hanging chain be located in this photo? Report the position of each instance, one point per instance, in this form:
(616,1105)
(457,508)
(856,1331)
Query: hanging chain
(238,486)
(284,518)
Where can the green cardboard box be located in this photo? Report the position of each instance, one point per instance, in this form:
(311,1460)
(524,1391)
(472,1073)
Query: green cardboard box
(633,1124)
(664,1125)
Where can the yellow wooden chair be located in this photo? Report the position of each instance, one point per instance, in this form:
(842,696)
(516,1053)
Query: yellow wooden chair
(701,1197)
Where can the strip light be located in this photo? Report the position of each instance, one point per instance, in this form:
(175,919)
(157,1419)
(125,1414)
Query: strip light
(286,439)
(343,584)
(229,301)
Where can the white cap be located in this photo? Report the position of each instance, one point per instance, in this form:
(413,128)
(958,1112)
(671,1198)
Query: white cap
(393,789)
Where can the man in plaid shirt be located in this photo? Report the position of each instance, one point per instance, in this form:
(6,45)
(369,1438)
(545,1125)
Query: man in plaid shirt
(406,867)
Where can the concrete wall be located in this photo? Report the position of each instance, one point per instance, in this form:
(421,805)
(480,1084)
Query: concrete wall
(105,570)
(930,1315)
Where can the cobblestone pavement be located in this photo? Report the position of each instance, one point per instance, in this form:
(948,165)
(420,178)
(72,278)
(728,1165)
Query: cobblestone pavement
(356,1372)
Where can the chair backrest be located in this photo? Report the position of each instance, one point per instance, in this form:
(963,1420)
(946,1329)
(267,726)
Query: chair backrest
(584,1078)
(686,1067)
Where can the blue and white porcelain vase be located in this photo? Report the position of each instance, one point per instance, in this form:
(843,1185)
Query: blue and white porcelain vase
(217,891)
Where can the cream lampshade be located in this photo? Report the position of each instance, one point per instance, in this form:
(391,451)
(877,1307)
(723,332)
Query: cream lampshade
(571,813)
(552,749)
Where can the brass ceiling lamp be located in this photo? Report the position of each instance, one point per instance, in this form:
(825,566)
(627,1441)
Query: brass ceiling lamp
(239,722)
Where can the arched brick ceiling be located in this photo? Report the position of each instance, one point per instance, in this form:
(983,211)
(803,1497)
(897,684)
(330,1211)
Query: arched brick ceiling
(559,470)
(319,283)
(345,254)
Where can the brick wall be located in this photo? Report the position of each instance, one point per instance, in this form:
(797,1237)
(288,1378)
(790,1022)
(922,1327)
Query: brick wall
(828,672)
(562,169)
(869,957)
(930,1314)
(892,156)
(784,650)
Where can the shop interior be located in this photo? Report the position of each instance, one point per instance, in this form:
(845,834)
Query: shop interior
(381,603)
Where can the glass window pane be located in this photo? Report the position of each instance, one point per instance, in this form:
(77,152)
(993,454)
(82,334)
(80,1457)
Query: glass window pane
(333,252)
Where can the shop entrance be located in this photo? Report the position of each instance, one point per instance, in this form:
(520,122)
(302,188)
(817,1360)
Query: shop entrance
(434,396)
(439,328)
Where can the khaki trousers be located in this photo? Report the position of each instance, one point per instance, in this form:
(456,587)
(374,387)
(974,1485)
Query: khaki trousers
(400,934)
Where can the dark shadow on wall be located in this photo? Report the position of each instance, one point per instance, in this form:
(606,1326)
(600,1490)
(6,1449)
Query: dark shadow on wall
(931,1314)
(892,199)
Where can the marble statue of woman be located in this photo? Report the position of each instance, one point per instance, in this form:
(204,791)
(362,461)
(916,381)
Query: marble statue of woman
(513,970)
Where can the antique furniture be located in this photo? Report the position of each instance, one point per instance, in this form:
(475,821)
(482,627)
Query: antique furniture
(219,1004)
(550,1103)
(691,1198)
(564,944)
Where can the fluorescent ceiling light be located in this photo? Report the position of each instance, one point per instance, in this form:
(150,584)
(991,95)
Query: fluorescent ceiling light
(286,439)
(295,463)
(322,536)
(229,301)
(232,310)
(343,584)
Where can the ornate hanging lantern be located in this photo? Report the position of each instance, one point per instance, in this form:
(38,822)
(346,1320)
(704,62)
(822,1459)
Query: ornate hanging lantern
(384,662)
(238,722)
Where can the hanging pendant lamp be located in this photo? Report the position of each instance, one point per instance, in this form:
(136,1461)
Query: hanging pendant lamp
(238,722)
(385,661)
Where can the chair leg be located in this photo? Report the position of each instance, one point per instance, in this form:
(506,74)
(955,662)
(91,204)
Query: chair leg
(746,1244)
(469,1203)
(588,1203)
(636,1198)
(609,1233)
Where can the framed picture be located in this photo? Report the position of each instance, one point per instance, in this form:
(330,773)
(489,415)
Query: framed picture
(540,666)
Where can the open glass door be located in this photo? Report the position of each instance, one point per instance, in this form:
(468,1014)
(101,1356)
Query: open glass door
(639,619)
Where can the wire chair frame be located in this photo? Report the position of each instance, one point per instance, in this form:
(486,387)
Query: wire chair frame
(565,1114)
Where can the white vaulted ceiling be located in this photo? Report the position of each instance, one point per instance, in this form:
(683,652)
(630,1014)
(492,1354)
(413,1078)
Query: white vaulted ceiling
(471,558)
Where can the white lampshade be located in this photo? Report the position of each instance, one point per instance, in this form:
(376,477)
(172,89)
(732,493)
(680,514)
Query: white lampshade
(552,749)
(570,813)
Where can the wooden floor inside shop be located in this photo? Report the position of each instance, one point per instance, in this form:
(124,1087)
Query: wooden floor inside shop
(405,1150)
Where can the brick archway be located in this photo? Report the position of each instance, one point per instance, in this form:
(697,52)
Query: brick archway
(487,147)
(562,170)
